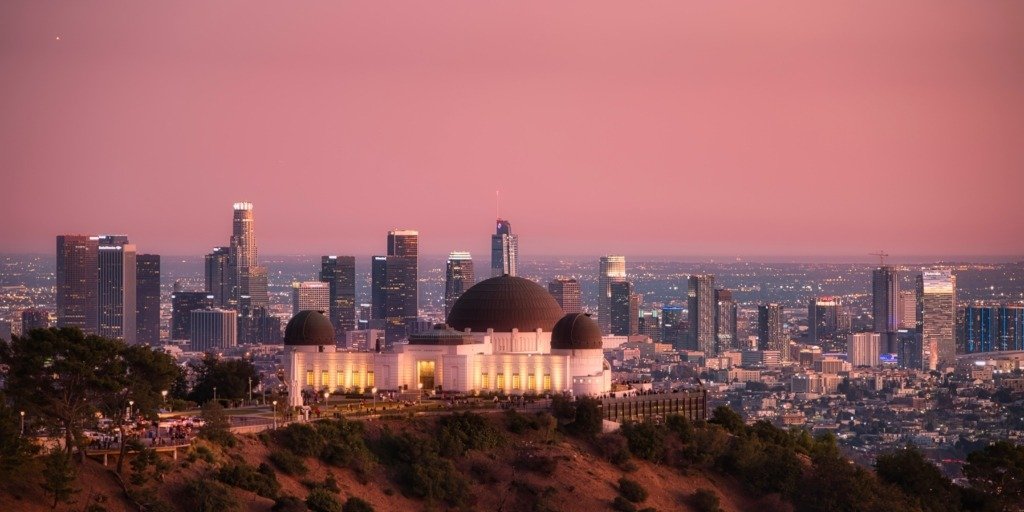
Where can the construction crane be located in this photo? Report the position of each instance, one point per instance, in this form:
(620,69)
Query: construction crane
(882,255)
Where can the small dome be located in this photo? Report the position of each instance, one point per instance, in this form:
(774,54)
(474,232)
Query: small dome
(309,328)
(505,303)
(576,331)
(441,334)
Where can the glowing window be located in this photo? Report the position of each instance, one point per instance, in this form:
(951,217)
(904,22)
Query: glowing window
(485,381)
(501,381)
(547,382)
(515,381)
(369,379)
(309,377)
(531,382)
(325,378)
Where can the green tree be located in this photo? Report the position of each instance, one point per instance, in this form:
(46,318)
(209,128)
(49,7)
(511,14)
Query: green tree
(203,495)
(59,475)
(322,500)
(15,450)
(354,504)
(230,378)
(998,471)
(60,375)
(918,478)
(216,425)
(729,419)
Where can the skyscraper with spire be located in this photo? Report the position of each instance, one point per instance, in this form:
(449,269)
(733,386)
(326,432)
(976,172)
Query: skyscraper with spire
(504,250)
(249,289)
(612,270)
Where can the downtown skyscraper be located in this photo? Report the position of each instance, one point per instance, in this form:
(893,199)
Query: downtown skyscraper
(458,277)
(885,304)
(612,269)
(147,297)
(504,250)
(725,320)
(828,322)
(770,335)
(247,280)
(340,273)
(77,272)
(217,271)
(116,288)
(625,309)
(702,304)
(395,286)
(566,292)
(936,307)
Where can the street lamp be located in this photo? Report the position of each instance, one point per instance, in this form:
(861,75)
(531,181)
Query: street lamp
(250,390)
(275,414)
(215,393)
(164,395)
(374,391)
(131,403)
(327,395)
(22,423)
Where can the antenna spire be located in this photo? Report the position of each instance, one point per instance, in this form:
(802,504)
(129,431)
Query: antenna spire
(497,204)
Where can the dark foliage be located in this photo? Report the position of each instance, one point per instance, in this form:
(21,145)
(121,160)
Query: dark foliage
(288,462)
(261,481)
(632,490)
(322,500)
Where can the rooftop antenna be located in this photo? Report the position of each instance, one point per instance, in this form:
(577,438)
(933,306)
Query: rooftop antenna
(882,255)
(497,204)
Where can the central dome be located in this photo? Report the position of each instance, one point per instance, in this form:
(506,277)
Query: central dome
(309,328)
(505,303)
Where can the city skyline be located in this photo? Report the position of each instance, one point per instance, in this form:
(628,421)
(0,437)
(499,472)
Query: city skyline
(762,127)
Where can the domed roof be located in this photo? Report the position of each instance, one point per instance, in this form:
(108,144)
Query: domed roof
(309,328)
(441,334)
(504,303)
(576,331)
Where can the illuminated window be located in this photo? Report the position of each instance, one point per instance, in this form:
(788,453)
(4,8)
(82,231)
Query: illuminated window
(369,379)
(340,377)
(356,379)
(309,377)
(515,381)
(485,381)
(501,381)
(547,382)
(325,378)
(531,382)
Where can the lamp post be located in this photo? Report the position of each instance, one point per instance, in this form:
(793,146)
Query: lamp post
(22,423)
(327,395)
(275,414)
(164,395)
(250,390)
(374,391)
(215,393)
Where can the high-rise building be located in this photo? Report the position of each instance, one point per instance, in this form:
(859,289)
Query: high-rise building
(885,293)
(5,331)
(625,305)
(147,297)
(650,324)
(701,301)
(725,320)
(213,329)
(218,275)
(907,310)
(566,292)
(116,288)
(248,281)
(673,328)
(77,272)
(864,348)
(770,335)
(394,284)
(311,296)
(1010,327)
(828,322)
(182,306)
(458,277)
(612,270)
(504,250)
(34,318)
(340,273)
(936,311)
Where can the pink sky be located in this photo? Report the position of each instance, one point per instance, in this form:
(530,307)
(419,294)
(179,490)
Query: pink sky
(675,128)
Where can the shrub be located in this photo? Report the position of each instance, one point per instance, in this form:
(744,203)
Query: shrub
(354,504)
(705,500)
(420,471)
(322,500)
(261,481)
(301,438)
(461,432)
(288,462)
(289,504)
(646,440)
(613,447)
(203,495)
(216,427)
(632,490)
(540,464)
(623,505)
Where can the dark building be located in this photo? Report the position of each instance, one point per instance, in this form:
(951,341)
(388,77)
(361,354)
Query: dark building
(725,320)
(1010,327)
(340,274)
(566,292)
(116,287)
(147,297)
(218,275)
(701,301)
(458,277)
(988,328)
(182,306)
(625,309)
(770,335)
(395,287)
(649,324)
(34,318)
(77,273)
(673,328)
(257,326)
(828,323)
(885,296)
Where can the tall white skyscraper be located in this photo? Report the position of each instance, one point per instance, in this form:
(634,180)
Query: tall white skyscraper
(504,250)
(612,270)
(936,312)
(864,348)
(116,288)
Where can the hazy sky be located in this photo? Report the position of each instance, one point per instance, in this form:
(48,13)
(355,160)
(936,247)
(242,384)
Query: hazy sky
(675,128)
